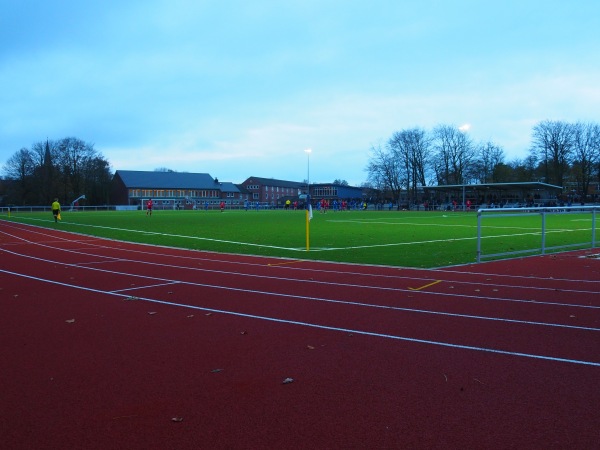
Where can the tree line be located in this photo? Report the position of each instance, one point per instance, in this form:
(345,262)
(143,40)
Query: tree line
(561,153)
(66,168)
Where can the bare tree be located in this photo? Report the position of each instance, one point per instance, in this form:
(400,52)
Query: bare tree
(46,180)
(515,170)
(484,166)
(385,172)
(66,168)
(20,168)
(586,155)
(96,181)
(411,148)
(552,145)
(340,182)
(454,154)
(74,154)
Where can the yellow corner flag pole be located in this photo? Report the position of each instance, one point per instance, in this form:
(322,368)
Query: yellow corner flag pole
(307,230)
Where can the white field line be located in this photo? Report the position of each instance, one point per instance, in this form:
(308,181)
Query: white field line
(319,249)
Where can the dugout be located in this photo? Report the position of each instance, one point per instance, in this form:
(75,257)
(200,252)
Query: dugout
(491,195)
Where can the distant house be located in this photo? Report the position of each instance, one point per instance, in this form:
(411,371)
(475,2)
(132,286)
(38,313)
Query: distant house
(231,194)
(180,190)
(331,191)
(168,190)
(244,193)
(272,192)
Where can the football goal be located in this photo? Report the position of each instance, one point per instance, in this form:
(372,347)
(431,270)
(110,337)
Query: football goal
(507,232)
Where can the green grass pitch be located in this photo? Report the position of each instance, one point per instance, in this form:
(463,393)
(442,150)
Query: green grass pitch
(396,238)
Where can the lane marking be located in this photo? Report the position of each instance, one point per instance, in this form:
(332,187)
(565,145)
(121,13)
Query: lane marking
(148,286)
(310,298)
(444,270)
(324,327)
(477,297)
(426,286)
(295,261)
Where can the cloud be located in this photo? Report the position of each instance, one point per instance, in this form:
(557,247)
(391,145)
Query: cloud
(341,128)
(236,88)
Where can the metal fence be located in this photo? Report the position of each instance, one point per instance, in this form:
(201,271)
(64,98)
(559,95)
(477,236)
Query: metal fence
(156,207)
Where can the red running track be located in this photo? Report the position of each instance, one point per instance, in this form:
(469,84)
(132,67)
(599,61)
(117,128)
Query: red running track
(110,345)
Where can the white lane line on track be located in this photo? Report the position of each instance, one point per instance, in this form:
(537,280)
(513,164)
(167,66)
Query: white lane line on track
(81,265)
(323,327)
(358,286)
(309,298)
(147,286)
(350,285)
(595,290)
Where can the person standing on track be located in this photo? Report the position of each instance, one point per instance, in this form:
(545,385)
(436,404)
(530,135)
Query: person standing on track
(149,207)
(55,209)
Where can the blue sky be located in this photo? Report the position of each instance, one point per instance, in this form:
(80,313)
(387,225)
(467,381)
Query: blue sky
(237,88)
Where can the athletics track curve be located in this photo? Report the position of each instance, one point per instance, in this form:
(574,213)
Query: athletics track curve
(108,344)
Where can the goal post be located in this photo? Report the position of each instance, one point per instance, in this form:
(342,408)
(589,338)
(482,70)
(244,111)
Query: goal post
(536,234)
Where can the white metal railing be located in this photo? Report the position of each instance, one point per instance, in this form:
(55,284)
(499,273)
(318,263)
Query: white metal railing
(543,212)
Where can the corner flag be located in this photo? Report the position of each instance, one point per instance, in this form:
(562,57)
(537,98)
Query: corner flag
(308,217)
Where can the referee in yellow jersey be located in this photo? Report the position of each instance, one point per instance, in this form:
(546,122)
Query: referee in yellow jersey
(55,209)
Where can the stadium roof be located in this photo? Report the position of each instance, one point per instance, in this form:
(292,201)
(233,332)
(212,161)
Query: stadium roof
(530,186)
(166,180)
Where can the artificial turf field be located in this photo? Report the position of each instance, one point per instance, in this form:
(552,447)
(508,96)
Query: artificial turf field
(424,239)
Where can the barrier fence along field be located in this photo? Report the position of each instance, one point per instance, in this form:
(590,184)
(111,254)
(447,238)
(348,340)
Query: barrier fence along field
(494,213)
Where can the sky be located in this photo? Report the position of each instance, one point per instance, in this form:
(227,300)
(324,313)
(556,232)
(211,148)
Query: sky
(238,88)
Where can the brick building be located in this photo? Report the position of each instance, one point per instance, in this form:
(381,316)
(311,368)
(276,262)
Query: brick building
(171,190)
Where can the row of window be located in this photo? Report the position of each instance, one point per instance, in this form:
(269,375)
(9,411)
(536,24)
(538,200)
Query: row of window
(158,193)
(284,190)
(325,191)
(190,193)
(175,203)
(276,194)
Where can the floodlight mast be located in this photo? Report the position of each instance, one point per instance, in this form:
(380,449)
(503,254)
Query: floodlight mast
(308,152)
(308,205)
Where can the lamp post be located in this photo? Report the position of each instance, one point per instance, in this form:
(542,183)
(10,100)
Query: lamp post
(308,206)
(308,152)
